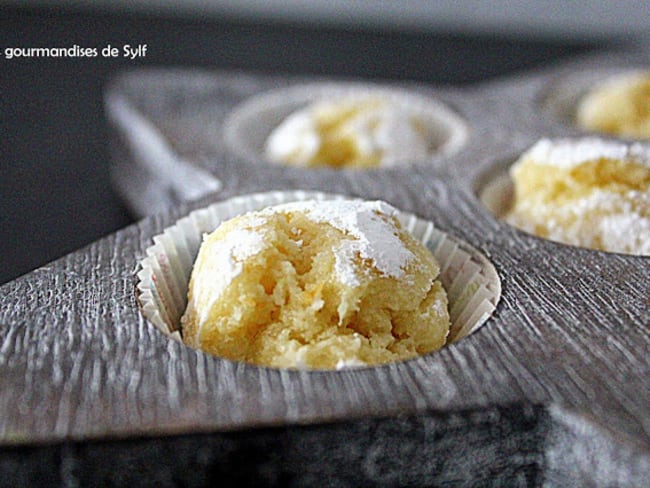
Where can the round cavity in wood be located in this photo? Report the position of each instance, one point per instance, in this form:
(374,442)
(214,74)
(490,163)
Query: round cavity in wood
(471,281)
(248,127)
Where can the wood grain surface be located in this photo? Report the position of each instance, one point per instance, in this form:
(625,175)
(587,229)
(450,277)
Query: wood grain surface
(78,361)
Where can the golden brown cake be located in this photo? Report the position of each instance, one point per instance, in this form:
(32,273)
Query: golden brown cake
(619,106)
(357,132)
(315,284)
(586,192)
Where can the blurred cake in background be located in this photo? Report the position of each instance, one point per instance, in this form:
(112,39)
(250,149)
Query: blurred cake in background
(618,106)
(360,132)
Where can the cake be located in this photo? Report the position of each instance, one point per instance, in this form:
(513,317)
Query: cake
(361,132)
(586,192)
(618,106)
(315,284)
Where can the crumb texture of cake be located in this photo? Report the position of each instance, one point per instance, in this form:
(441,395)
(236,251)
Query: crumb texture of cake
(315,284)
(586,192)
(619,106)
(360,132)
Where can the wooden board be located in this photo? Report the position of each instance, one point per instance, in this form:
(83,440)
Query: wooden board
(572,329)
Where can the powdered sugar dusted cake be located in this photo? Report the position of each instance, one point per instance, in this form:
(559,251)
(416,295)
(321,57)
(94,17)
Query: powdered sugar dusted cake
(586,192)
(619,106)
(350,132)
(315,284)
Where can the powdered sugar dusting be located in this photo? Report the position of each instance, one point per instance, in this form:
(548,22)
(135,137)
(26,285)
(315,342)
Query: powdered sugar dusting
(626,233)
(568,153)
(391,130)
(296,139)
(373,238)
(223,264)
(373,232)
(603,220)
(614,220)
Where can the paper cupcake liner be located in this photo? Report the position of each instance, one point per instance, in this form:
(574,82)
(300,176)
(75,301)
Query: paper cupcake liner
(249,125)
(472,284)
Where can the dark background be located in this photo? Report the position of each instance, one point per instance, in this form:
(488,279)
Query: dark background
(55,194)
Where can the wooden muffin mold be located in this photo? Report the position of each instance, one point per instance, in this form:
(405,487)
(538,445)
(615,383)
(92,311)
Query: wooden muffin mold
(571,330)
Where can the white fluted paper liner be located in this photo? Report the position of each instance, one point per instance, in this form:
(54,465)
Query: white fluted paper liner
(472,284)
